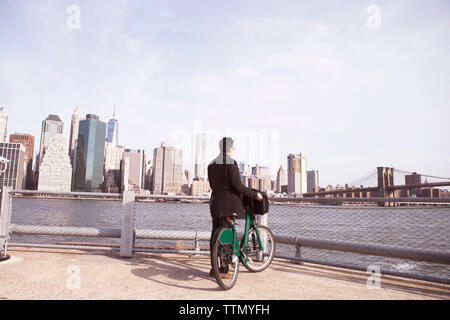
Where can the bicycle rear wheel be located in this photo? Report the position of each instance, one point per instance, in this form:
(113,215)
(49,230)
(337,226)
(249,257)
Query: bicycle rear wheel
(258,259)
(225,266)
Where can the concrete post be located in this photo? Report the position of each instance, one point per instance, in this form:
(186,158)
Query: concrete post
(197,245)
(128,230)
(262,220)
(298,252)
(5,220)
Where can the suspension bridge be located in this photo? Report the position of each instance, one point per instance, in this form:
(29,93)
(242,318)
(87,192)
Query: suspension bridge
(385,186)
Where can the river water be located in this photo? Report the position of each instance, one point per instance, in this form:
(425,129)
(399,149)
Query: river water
(411,227)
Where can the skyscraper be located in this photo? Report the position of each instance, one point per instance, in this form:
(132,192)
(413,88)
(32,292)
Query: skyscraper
(27,140)
(200,187)
(51,126)
(245,172)
(263,177)
(14,176)
(313,180)
(3,125)
(281,180)
(410,179)
(167,171)
(76,117)
(136,169)
(185,182)
(244,169)
(112,172)
(55,172)
(297,177)
(90,154)
(201,170)
(113,130)
(113,156)
(149,175)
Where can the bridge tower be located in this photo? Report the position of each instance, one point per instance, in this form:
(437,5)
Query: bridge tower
(385,178)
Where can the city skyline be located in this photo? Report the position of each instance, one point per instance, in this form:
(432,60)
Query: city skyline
(317,73)
(247,177)
(134,172)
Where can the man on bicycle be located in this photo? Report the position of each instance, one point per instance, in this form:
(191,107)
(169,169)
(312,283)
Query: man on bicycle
(227,191)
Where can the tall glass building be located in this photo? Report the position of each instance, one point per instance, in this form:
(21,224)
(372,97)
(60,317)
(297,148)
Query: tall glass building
(90,154)
(113,130)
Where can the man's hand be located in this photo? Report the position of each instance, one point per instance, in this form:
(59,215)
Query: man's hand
(259,197)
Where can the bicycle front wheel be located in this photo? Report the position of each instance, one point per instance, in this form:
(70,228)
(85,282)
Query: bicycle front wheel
(225,266)
(257,258)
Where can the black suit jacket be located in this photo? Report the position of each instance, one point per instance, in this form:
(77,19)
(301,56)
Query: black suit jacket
(227,189)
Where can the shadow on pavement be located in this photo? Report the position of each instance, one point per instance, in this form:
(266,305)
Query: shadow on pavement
(182,272)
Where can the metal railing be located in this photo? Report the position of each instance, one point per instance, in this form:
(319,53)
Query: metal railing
(408,241)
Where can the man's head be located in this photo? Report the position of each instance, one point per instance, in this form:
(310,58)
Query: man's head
(226,144)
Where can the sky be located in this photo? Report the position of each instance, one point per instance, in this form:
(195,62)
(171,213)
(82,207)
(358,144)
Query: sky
(351,85)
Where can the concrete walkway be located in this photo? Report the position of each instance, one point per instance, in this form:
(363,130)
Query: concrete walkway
(74,274)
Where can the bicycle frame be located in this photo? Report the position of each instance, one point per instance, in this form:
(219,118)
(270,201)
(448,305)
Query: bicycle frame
(230,237)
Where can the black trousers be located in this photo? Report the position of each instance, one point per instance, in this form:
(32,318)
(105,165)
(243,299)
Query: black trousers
(217,224)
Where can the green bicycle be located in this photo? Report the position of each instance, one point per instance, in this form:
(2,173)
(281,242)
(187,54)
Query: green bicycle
(255,251)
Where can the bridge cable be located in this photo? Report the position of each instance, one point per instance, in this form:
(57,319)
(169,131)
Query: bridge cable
(363,178)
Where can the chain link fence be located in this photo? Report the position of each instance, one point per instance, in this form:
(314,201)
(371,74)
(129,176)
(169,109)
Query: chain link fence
(172,215)
(68,216)
(412,227)
(163,223)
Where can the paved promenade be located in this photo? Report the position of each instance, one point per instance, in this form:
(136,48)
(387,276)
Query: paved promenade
(74,274)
